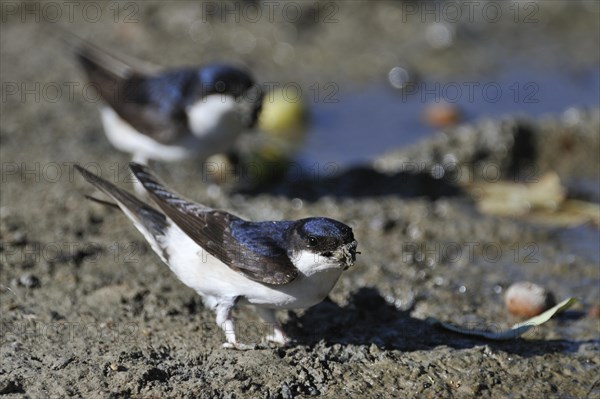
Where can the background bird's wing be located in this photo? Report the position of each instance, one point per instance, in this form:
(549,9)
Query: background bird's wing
(265,262)
(138,95)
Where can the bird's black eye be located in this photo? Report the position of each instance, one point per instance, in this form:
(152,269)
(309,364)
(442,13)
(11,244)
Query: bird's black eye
(312,241)
(220,86)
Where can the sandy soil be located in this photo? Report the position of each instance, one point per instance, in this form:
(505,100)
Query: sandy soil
(87,310)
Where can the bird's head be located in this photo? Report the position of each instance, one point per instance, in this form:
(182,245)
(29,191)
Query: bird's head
(321,243)
(235,83)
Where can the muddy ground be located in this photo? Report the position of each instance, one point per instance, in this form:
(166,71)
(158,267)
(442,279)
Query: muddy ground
(87,310)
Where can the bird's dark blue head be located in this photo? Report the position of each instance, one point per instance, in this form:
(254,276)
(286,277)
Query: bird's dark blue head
(325,227)
(224,78)
(322,236)
(230,80)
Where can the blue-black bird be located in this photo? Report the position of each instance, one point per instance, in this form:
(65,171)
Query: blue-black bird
(228,260)
(173,114)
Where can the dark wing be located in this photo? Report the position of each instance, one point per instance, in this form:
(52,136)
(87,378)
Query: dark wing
(150,104)
(211,229)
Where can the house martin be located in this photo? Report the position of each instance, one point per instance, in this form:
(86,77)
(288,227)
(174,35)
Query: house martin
(228,260)
(169,115)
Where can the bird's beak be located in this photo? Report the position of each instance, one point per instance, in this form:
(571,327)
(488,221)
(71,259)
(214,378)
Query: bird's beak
(348,254)
(254,94)
(251,105)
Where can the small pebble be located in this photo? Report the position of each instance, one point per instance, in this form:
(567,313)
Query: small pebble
(62,362)
(525,299)
(29,281)
(297,203)
(286,392)
(19,238)
(399,77)
(218,168)
(441,115)
(283,115)
(439,35)
(594,312)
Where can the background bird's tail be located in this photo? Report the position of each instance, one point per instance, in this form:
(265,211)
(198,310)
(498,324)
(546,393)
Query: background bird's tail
(110,74)
(96,62)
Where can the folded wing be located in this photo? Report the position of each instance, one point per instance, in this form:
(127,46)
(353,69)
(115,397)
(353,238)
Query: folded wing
(255,258)
(147,101)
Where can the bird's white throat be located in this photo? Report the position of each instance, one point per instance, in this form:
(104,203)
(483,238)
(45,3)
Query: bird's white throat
(215,115)
(310,263)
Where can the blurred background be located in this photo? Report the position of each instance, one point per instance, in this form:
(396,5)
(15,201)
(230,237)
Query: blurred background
(372,76)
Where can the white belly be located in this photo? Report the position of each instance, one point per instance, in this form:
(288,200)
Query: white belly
(125,138)
(214,121)
(210,277)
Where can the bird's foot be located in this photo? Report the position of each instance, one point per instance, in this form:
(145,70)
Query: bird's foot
(278,337)
(239,346)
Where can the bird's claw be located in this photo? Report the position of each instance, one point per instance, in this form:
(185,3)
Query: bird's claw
(277,339)
(239,346)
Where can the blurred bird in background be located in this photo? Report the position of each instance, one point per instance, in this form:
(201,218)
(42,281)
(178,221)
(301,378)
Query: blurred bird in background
(170,115)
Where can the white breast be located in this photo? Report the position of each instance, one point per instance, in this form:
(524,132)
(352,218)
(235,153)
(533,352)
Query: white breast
(216,120)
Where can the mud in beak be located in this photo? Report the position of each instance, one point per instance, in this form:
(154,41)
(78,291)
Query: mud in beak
(347,254)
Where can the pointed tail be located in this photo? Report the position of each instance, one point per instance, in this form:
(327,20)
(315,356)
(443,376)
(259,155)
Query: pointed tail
(150,222)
